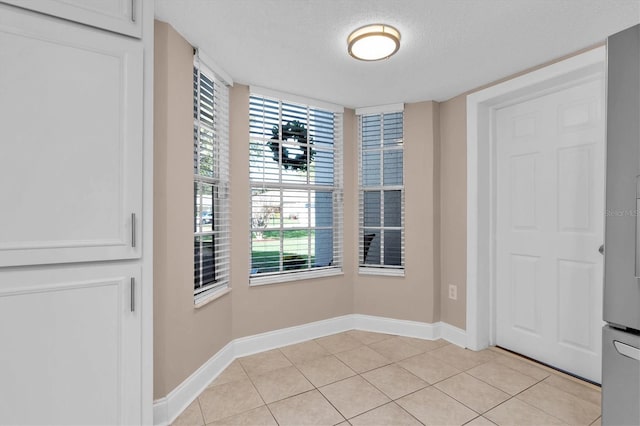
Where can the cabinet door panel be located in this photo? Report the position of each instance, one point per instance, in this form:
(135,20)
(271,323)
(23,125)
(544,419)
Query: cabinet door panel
(121,16)
(70,346)
(71,151)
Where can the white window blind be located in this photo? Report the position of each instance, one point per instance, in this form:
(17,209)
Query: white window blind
(296,189)
(381,194)
(211,181)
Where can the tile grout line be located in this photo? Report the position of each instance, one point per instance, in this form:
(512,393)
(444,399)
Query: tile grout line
(457,400)
(475,418)
(313,384)
(465,371)
(543,367)
(559,390)
(505,366)
(204,422)
(391,401)
(363,378)
(258,392)
(395,400)
(525,402)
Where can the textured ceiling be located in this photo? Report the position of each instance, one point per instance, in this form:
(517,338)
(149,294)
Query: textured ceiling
(448,46)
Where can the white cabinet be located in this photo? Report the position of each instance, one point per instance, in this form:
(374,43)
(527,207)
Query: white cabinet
(71,104)
(72,312)
(70,345)
(120,16)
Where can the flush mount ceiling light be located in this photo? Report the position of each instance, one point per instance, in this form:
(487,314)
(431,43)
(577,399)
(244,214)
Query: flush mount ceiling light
(373,42)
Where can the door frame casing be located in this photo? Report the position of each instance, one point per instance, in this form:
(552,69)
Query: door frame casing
(481,178)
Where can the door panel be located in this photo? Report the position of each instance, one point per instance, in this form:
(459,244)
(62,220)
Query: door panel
(121,16)
(70,346)
(523,191)
(577,283)
(574,189)
(549,225)
(70,174)
(524,273)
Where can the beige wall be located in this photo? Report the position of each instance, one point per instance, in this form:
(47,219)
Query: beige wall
(453,208)
(416,296)
(184,337)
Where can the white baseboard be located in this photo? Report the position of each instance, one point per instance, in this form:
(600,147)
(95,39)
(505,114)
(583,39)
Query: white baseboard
(453,334)
(288,336)
(421,330)
(160,412)
(167,409)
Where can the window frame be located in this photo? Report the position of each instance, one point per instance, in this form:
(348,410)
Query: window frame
(219,182)
(369,268)
(336,189)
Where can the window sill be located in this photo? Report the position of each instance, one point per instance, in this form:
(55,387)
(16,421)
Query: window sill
(206,298)
(387,272)
(294,276)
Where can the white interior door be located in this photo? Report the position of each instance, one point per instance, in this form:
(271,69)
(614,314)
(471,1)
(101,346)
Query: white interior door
(549,226)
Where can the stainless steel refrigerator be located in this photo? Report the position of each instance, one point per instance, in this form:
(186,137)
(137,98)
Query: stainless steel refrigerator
(621,335)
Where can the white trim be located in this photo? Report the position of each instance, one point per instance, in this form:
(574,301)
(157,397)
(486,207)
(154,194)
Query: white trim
(167,409)
(284,97)
(453,334)
(210,295)
(161,411)
(480,194)
(380,109)
(288,336)
(285,277)
(420,330)
(387,272)
(207,62)
(146,290)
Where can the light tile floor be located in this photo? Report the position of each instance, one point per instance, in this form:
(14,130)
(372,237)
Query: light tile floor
(364,378)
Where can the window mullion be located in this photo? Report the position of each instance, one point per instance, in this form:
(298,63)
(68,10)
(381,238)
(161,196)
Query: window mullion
(200,199)
(198,113)
(309,226)
(308,148)
(281,192)
(201,242)
(382,227)
(382,190)
(281,226)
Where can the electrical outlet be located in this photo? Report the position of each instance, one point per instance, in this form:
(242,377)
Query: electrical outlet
(453,292)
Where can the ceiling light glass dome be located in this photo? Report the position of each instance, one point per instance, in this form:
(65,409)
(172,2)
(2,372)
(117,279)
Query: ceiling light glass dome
(373,42)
